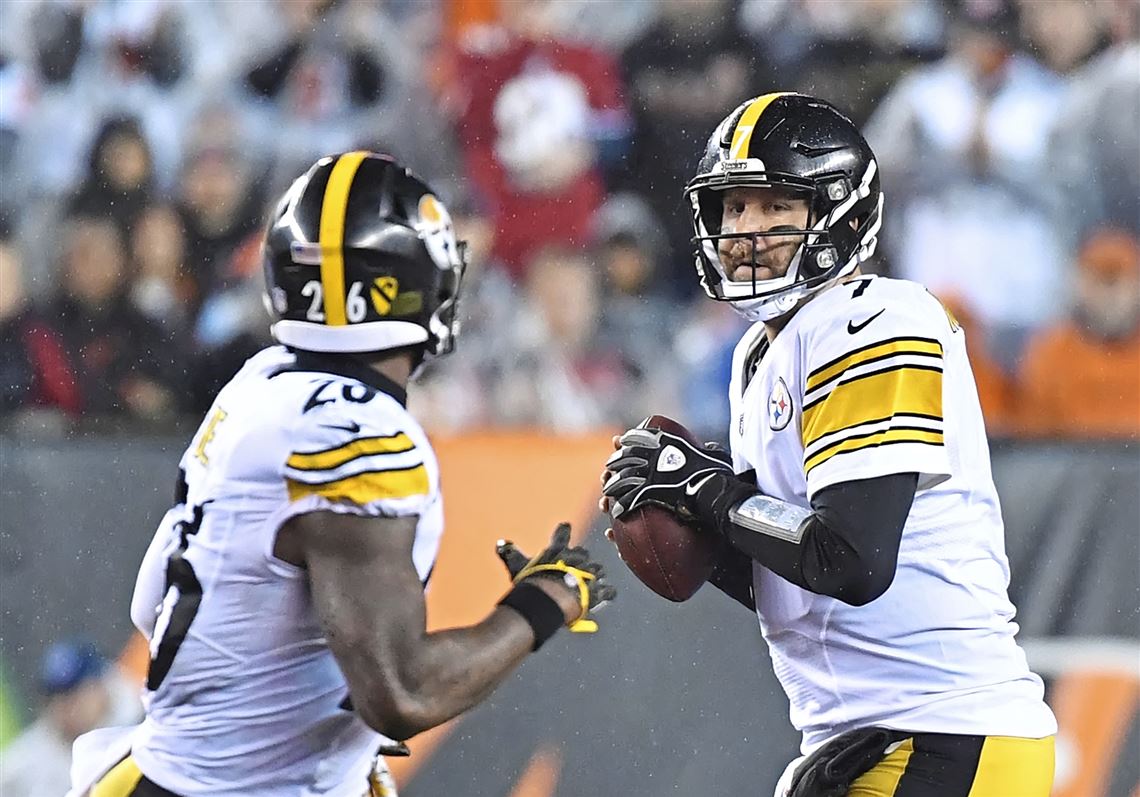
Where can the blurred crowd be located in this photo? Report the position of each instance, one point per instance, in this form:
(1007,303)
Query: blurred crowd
(140,141)
(79,690)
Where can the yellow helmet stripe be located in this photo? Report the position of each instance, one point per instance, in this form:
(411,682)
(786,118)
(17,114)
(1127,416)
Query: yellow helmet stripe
(742,135)
(333,208)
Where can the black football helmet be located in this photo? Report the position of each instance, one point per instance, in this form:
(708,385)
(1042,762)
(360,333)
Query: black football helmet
(801,144)
(360,256)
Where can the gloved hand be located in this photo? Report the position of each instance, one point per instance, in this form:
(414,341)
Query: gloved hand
(830,770)
(659,468)
(572,566)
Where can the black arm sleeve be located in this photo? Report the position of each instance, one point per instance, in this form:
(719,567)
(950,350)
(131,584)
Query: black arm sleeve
(732,575)
(850,544)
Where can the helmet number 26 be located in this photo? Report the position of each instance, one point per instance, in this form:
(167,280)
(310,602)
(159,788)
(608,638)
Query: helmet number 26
(355,305)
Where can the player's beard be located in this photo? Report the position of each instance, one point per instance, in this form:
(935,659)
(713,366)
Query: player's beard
(771,260)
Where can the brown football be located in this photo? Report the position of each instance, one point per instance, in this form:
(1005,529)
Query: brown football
(669,557)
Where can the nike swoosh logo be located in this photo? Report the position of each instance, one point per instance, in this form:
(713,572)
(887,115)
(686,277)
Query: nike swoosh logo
(813,152)
(353,427)
(852,327)
(693,489)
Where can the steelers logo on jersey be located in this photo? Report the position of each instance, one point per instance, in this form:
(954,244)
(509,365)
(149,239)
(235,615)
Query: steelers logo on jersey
(779,406)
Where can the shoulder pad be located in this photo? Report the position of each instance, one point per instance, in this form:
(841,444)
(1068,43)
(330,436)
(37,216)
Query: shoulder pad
(364,453)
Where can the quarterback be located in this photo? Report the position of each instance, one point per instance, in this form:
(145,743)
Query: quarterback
(283,594)
(856,511)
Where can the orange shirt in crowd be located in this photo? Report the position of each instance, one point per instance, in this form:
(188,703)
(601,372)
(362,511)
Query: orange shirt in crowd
(1076,382)
(1074,385)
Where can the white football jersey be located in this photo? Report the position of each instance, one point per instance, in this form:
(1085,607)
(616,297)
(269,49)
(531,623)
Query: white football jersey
(870,378)
(244,696)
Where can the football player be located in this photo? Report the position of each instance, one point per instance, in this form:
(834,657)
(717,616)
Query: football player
(283,594)
(857,513)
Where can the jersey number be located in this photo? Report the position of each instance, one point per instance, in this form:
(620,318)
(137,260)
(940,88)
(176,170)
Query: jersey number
(179,606)
(357,394)
(862,286)
(355,305)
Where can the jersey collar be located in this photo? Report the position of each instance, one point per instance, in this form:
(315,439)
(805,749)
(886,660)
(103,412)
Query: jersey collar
(342,365)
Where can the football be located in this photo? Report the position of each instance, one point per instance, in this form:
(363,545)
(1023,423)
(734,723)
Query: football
(669,557)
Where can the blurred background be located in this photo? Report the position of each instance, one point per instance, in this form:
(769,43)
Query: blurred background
(141,140)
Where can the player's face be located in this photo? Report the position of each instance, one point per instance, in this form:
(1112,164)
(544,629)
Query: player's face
(760,210)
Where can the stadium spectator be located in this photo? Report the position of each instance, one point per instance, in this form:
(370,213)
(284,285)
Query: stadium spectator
(46,107)
(35,371)
(310,72)
(1093,152)
(813,42)
(149,58)
(143,41)
(162,289)
(1064,33)
(962,147)
(221,205)
(336,76)
(94,60)
(83,691)
(120,175)
(552,371)
(231,326)
(637,318)
(124,364)
(680,73)
(1081,378)
(536,114)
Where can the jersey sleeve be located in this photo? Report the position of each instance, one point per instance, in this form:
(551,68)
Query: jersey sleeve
(375,463)
(873,399)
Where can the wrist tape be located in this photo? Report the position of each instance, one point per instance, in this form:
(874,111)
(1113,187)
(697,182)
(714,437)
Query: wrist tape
(540,610)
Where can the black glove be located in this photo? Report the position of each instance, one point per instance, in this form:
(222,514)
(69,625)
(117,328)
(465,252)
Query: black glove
(830,771)
(657,468)
(571,565)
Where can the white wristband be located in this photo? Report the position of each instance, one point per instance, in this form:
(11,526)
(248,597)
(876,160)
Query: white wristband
(771,516)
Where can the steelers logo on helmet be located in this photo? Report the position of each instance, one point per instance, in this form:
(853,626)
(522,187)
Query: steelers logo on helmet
(360,256)
(803,146)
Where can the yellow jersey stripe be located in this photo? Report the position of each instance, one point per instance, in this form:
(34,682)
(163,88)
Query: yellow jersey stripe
(120,781)
(909,389)
(830,447)
(361,447)
(884,777)
(897,418)
(333,208)
(742,135)
(870,353)
(364,488)
(1014,766)
(906,434)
